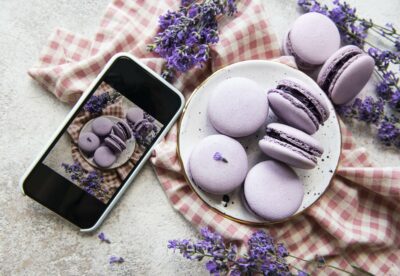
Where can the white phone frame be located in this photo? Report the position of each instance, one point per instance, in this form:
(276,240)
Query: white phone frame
(137,168)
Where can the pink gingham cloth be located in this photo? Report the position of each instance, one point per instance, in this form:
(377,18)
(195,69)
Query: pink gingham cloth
(357,221)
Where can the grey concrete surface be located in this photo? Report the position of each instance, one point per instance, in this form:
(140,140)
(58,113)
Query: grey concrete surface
(33,241)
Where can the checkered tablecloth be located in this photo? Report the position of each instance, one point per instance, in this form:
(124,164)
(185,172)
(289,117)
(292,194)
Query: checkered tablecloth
(357,221)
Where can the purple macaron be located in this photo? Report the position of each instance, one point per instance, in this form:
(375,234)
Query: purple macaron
(291,146)
(122,130)
(104,157)
(115,143)
(298,105)
(88,142)
(273,191)
(312,39)
(218,164)
(134,114)
(345,73)
(237,107)
(102,126)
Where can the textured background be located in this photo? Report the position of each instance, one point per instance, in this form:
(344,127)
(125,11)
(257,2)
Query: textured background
(32,239)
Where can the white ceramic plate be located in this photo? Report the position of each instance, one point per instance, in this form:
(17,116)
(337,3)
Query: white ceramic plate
(194,126)
(122,157)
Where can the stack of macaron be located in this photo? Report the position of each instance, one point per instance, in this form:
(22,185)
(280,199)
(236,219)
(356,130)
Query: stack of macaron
(105,141)
(314,41)
(239,107)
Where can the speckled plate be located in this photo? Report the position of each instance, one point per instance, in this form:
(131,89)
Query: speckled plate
(194,126)
(122,158)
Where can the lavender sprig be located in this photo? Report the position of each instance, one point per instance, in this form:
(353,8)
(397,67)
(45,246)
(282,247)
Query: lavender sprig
(218,157)
(185,35)
(89,181)
(382,112)
(96,104)
(103,238)
(264,257)
(116,260)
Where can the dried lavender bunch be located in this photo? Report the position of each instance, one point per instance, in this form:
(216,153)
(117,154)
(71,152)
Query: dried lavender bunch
(89,181)
(382,112)
(185,35)
(96,104)
(264,257)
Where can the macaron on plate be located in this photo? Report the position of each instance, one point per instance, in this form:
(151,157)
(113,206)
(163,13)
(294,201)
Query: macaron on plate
(124,149)
(195,125)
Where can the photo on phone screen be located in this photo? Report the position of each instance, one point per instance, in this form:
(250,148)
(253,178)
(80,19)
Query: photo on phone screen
(96,152)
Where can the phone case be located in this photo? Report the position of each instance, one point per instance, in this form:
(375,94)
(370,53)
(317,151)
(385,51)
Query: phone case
(145,157)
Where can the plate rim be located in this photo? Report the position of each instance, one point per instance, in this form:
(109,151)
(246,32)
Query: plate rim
(187,178)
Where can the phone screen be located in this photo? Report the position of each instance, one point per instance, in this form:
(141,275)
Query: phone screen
(99,148)
(103,143)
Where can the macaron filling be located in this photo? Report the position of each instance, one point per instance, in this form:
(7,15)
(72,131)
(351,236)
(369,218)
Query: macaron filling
(125,130)
(303,99)
(332,72)
(294,142)
(115,143)
(293,148)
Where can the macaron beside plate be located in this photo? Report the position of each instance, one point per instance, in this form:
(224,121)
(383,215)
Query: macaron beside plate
(194,126)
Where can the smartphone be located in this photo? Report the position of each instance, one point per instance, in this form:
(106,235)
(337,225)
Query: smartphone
(103,143)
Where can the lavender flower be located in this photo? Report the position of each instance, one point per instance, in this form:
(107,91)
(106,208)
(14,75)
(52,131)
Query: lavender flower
(389,133)
(185,35)
(103,238)
(367,110)
(264,257)
(218,157)
(96,104)
(355,30)
(88,181)
(116,260)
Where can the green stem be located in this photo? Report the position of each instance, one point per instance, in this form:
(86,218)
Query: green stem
(377,32)
(325,265)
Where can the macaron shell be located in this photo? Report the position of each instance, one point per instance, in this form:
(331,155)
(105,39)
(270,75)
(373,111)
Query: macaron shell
(88,142)
(318,99)
(134,114)
(102,126)
(291,132)
(292,112)
(335,58)
(314,38)
(351,79)
(273,190)
(237,107)
(113,145)
(123,130)
(213,176)
(104,157)
(119,132)
(286,154)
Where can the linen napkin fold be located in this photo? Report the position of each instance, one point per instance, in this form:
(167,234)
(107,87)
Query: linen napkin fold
(357,221)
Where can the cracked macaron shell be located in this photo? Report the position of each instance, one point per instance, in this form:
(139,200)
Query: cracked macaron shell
(349,78)
(294,147)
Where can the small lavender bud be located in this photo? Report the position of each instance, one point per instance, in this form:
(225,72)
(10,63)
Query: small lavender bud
(218,157)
